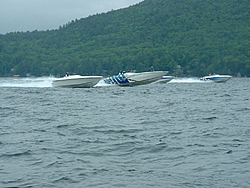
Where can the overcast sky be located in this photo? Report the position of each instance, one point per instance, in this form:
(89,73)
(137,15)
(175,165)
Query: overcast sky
(30,15)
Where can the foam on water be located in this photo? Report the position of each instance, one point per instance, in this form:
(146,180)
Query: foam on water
(27,82)
(101,83)
(188,80)
(37,82)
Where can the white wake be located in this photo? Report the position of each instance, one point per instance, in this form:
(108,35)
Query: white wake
(26,82)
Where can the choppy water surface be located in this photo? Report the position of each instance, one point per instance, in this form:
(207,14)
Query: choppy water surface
(185,133)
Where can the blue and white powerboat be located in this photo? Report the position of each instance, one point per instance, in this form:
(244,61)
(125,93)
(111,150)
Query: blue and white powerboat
(133,79)
(165,79)
(216,78)
(76,81)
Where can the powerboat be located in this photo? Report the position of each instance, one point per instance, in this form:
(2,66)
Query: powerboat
(76,81)
(133,79)
(216,78)
(165,79)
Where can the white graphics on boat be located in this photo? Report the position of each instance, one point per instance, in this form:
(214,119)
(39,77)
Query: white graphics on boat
(132,79)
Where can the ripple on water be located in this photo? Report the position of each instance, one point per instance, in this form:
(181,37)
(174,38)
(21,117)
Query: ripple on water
(177,134)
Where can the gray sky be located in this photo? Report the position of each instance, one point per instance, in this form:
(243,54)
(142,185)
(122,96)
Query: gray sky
(30,15)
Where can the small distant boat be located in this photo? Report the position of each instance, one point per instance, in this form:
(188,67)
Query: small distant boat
(165,79)
(133,79)
(216,78)
(76,81)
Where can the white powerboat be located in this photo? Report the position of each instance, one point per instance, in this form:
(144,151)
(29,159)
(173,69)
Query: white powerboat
(216,78)
(133,79)
(165,79)
(77,81)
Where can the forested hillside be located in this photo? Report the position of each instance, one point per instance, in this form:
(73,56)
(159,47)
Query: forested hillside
(185,37)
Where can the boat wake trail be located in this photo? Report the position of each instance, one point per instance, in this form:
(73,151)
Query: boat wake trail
(26,82)
(188,80)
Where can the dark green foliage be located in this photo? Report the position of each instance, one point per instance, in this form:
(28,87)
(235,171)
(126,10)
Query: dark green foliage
(185,37)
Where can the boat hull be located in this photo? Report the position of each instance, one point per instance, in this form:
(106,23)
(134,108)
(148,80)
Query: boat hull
(133,79)
(217,78)
(77,81)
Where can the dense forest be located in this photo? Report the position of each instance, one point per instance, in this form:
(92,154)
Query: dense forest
(185,37)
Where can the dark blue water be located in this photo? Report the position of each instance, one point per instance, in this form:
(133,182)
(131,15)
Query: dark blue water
(185,133)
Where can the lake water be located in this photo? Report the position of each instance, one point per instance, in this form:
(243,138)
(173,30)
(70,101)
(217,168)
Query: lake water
(185,133)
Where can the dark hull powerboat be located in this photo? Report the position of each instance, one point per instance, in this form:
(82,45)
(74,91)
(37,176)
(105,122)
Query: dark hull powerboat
(165,79)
